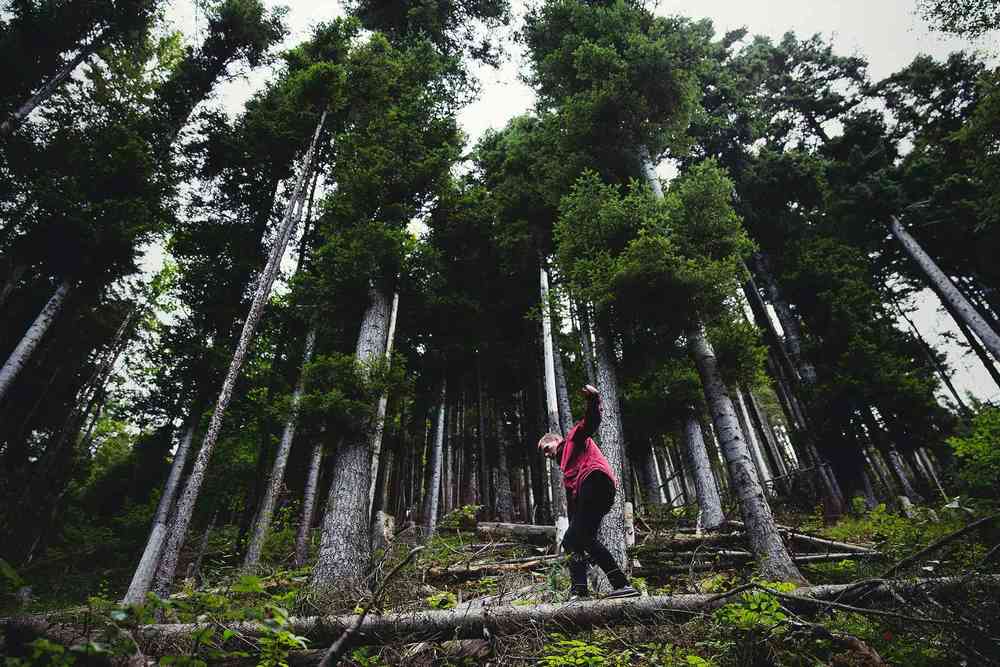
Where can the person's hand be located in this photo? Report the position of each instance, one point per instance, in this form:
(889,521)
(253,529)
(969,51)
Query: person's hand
(589,391)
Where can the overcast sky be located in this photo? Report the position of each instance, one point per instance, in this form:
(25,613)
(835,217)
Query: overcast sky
(886,32)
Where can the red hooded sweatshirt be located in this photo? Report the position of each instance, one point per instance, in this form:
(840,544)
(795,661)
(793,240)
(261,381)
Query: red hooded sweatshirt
(581,455)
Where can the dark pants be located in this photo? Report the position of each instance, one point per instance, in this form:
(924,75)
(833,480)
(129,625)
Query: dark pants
(593,500)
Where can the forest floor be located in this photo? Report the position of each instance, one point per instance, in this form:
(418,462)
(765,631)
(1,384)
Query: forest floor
(736,619)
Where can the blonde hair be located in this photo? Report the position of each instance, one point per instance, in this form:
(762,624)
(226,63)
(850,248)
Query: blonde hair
(547,438)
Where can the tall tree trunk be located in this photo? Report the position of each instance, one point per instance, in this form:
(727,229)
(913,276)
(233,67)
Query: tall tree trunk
(194,569)
(504,499)
(383,401)
(142,579)
(485,490)
(709,502)
(612,531)
(266,512)
(774,560)
(50,86)
(185,506)
(587,351)
(789,323)
(932,358)
(749,434)
(33,337)
(437,451)
(309,502)
(552,407)
(651,482)
(345,546)
(946,290)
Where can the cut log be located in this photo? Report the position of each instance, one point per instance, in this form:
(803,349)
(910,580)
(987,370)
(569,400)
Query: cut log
(523,531)
(468,622)
(472,570)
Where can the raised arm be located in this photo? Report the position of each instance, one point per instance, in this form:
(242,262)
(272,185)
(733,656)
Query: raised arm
(591,415)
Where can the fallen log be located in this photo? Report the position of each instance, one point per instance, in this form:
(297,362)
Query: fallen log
(470,570)
(523,531)
(813,540)
(705,561)
(467,622)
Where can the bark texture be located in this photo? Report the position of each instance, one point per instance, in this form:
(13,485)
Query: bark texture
(383,402)
(504,499)
(946,289)
(345,545)
(709,503)
(551,398)
(308,504)
(437,452)
(21,354)
(277,479)
(774,560)
(612,532)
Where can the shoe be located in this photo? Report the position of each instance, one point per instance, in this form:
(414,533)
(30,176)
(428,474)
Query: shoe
(624,592)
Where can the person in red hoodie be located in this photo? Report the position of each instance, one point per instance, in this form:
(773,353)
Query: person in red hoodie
(590,493)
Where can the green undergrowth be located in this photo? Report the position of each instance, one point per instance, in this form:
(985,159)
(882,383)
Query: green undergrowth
(755,627)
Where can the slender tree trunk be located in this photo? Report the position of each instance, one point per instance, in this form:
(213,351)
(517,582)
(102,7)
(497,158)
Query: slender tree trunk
(651,482)
(764,428)
(49,87)
(946,290)
(383,401)
(33,337)
(437,451)
(195,568)
(585,347)
(709,502)
(929,466)
(743,417)
(185,507)
(933,359)
(142,579)
(774,560)
(789,323)
(612,531)
(264,515)
(984,356)
(504,499)
(552,406)
(309,502)
(485,495)
(446,469)
(345,547)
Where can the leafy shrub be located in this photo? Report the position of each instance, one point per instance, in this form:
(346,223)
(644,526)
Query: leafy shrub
(979,453)
(563,652)
(442,600)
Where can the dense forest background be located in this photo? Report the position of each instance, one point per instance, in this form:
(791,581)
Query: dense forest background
(254,356)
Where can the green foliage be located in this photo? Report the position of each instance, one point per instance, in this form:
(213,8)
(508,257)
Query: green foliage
(278,641)
(755,610)
(442,600)
(966,18)
(463,517)
(979,454)
(563,652)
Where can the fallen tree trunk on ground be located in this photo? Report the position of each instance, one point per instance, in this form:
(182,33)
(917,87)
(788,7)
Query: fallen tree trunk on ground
(469,622)
(792,534)
(705,561)
(522,531)
(472,570)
